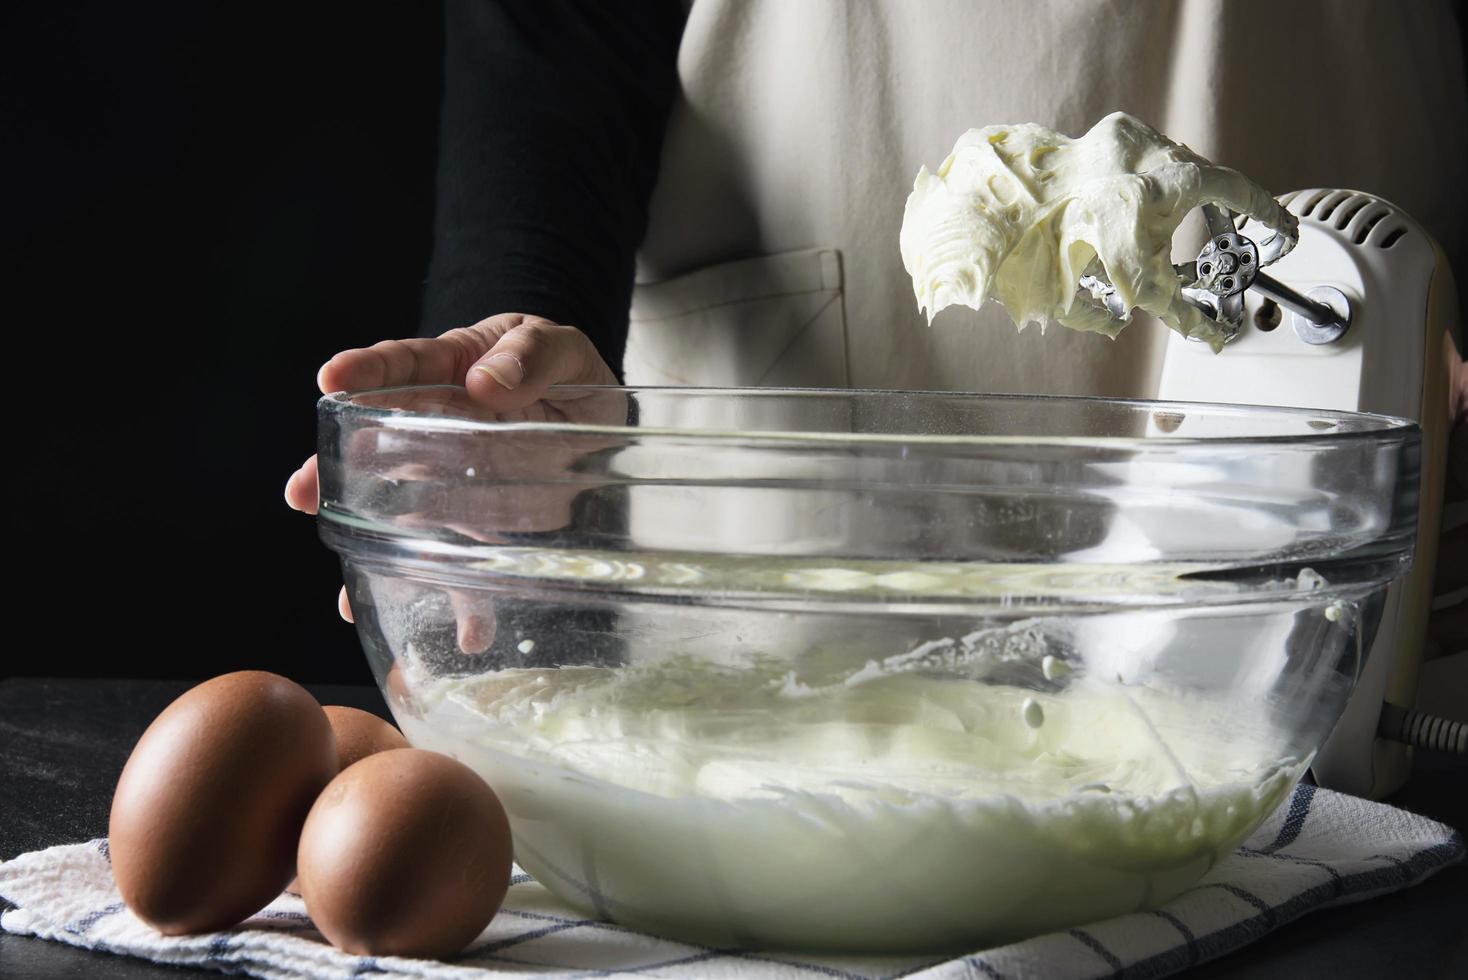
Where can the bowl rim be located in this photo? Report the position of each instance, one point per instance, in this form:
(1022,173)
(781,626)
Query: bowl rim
(1374,426)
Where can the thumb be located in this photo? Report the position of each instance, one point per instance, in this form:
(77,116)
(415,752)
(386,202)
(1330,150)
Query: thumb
(529,358)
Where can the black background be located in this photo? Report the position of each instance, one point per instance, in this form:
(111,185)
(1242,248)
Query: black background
(202,204)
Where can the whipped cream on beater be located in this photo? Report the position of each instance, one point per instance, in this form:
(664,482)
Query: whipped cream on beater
(1019,213)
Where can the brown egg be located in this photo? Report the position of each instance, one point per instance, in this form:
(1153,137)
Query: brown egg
(406,853)
(358,735)
(209,807)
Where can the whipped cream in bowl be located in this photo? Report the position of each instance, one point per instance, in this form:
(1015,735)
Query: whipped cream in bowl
(914,803)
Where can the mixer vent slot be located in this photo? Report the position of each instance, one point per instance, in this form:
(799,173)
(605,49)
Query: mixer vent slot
(1349,211)
(1392,236)
(1368,222)
(1311,201)
(1328,207)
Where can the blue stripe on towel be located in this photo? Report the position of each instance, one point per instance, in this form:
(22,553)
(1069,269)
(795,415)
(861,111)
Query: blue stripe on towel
(1294,820)
(984,967)
(80,926)
(1094,945)
(703,957)
(1335,876)
(825,971)
(219,948)
(549,917)
(929,964)
(525,937)
(1266,911)
(1190,942)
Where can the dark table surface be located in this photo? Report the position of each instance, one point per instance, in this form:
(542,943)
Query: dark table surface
(63,744)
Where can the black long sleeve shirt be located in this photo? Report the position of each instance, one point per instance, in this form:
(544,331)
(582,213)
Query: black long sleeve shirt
(551,131)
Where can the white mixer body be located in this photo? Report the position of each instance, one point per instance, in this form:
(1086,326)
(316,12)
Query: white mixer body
(1390,361)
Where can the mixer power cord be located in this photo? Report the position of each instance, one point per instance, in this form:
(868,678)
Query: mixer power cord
(1422,730)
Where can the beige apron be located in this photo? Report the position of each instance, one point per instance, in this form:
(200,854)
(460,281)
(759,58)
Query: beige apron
(771,256)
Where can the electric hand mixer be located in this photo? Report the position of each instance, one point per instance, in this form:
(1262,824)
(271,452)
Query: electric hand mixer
(1369,298)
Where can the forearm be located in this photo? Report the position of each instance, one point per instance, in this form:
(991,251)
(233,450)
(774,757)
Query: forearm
(552,125)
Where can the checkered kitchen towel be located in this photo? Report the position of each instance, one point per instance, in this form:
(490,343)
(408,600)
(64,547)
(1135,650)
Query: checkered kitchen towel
(1319,849)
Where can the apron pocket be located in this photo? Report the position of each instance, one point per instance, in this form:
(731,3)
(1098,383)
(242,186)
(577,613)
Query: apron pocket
(768,321)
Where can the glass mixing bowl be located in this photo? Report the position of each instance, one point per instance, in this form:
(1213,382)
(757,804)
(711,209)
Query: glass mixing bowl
(866,670)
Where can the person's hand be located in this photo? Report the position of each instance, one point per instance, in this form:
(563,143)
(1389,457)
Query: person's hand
(506,363)
(1448,627)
